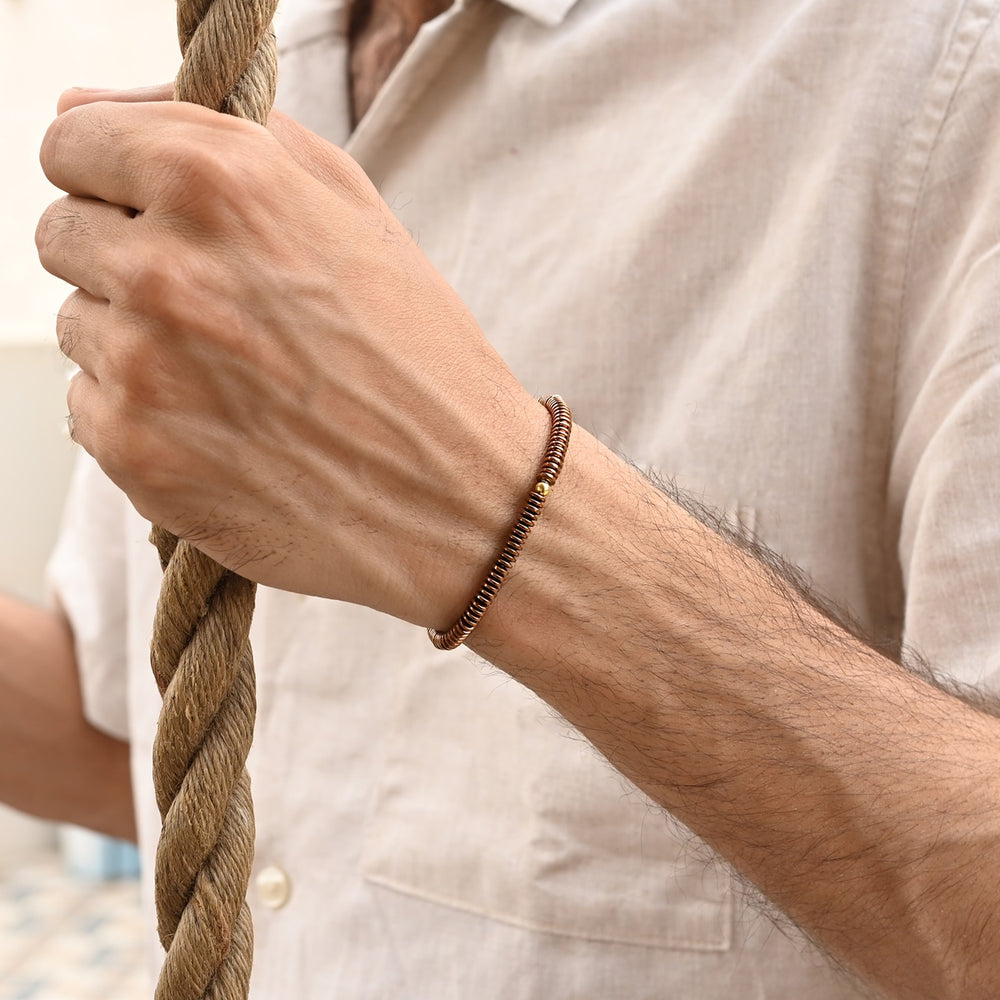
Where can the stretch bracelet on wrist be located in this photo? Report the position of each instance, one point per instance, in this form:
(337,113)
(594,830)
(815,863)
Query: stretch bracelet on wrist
(555,452)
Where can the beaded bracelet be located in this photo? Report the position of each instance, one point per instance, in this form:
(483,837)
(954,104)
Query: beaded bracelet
(555,452)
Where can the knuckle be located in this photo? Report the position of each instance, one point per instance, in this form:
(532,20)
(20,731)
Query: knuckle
(126,447)
(118,425)
(77,397)
(53,143)
(205,175)
(68,325)
(179,295)
(135,380)
(138,386)
(188,166)
(60,144)
(151,285)
(59,220)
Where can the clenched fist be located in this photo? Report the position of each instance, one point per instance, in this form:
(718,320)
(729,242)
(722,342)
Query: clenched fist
(269,366)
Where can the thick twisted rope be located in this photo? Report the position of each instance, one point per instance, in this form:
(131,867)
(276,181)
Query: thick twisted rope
(201,650)
(230,60)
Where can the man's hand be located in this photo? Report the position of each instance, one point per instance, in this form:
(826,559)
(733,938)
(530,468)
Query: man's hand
(272,370)
(270,367)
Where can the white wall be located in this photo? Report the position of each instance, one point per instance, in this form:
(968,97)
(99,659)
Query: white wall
(46,46)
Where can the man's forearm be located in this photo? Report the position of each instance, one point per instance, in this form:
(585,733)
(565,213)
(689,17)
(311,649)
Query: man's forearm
(381,438)
(858,797)
(53,764)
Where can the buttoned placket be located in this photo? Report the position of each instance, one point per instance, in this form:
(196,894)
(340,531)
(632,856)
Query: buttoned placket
(414,74)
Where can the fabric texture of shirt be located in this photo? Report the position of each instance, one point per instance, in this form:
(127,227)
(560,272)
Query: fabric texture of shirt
(754,245)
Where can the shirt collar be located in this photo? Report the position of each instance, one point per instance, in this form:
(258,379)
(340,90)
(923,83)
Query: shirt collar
(550,12)
(314,16)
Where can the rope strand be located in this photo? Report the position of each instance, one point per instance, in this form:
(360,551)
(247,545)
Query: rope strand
(200,654)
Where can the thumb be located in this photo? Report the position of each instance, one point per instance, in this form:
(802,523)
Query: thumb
(78,96)
(325,162)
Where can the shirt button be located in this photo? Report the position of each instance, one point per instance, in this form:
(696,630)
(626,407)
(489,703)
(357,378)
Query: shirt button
(273,887)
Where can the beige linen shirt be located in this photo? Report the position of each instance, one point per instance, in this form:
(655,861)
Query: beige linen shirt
(754,245)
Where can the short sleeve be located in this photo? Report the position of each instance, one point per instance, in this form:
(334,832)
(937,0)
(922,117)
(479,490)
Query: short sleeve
(87,578)
(945,467)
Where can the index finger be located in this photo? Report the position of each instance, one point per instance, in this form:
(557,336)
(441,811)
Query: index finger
(118,151)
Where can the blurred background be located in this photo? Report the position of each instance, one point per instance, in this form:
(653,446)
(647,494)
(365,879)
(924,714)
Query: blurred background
(69,927)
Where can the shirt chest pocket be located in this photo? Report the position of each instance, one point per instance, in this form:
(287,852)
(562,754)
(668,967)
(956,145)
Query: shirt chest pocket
(489,803)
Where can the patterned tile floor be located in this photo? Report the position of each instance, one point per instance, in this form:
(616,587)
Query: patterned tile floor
(66,938)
